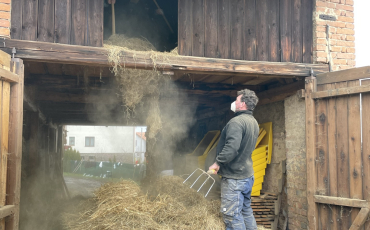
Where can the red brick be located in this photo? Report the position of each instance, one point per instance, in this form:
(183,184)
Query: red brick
(350,50)
(346,56)
(350,25)
(322,60)
(352,62)
(349,2)
(350,14)
(319,3)
(4,31)
(321,28)
(321,34)
(337,36)
(321,9)
(320,48)
(321,54)
(339,24)
(344,7)
(5,15)
(335,48)
(350,38)
(339,61)
(345,19)
(336,1)
(345,31)
(321,41)
(4,23)
(330,5)
(4,7)
(345,43)
(5,1)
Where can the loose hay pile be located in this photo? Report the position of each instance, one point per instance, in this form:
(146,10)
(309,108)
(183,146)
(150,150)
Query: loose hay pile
(169,204)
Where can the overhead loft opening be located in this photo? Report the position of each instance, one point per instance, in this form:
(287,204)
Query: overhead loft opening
(151,20)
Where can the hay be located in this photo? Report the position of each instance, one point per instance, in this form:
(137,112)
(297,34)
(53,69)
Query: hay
(169,204)
(136,85)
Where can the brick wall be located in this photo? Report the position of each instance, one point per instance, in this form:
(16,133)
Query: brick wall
(5,18)
(295,144)
(341,34)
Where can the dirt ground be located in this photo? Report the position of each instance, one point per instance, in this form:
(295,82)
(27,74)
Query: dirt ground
(81,187)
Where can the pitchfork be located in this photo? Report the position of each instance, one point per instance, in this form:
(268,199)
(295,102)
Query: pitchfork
(202,173)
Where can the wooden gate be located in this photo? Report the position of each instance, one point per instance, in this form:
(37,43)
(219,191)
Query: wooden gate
(338,149)
(11,120)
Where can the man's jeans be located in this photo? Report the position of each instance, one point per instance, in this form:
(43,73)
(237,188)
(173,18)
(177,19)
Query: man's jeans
(236,203)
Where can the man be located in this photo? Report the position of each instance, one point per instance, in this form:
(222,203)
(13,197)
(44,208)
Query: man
(234,163)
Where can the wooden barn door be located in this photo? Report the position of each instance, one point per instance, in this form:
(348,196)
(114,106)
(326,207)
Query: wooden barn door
(11,120)
(338,149)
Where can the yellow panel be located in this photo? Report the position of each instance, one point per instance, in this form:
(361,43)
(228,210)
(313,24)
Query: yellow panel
(260,167)
(267,140)
(259,174)
(215,134)
(260,136)
(258,193)
(260,156)
(258,180)
(257,188)
(260,161)
(259,149)
(202,159)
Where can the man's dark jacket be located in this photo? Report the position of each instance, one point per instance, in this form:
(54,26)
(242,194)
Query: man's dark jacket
(237,142)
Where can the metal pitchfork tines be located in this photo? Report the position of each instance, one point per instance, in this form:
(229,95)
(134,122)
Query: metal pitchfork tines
(202,173)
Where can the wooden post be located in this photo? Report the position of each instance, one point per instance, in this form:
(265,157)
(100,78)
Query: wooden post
(15,144)
(33,147)
(310,152)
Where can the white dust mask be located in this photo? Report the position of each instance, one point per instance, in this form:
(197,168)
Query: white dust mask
(233,107)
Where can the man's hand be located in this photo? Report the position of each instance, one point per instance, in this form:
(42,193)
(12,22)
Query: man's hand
(214,168)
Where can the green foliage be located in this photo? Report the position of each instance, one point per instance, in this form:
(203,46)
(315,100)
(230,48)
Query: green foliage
(71,154)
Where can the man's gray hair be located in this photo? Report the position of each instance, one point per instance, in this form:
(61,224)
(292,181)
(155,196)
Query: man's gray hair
(249,97)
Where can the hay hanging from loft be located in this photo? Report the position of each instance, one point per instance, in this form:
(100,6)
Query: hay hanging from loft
(169,204)
(137,85)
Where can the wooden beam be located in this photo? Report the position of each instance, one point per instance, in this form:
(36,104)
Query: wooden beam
(15,144)
(280,93)
(341,91)
(343,75)
(310,153)
(83,55)
(360,219)
(8,76)
(6,210)
(357,203)
(29,105)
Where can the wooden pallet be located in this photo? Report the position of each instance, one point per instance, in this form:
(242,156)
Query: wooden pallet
(264,208)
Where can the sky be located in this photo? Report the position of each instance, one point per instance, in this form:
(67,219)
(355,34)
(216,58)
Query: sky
(362,32)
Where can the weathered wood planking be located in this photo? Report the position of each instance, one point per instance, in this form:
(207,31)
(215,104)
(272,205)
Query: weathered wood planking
(45,21)
(29,20)
(297,34)
(185,27)
(78,23)
(198,28)
(223,30)
(354,140)
(273,23)
(95,23)
(16,19)
(250,44)
(342,155)
(331,133)
(366,146)
(322,156)
(15,143)
(210,28)
(3,163)
(62,21)
(286,30)
(307,33)
(262,31)
(237,26)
